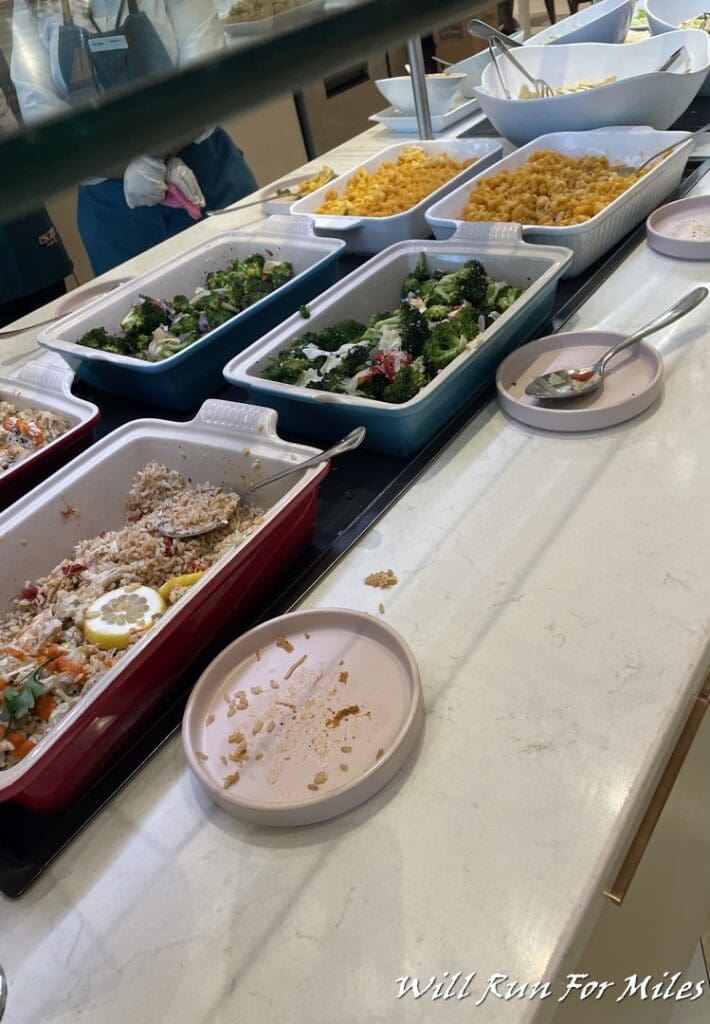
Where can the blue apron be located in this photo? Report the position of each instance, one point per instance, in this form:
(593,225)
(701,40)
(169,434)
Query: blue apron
(32,256)
(95,64)
(113,233)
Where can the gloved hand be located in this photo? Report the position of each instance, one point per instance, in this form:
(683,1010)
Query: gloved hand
(144,181)
(180,175)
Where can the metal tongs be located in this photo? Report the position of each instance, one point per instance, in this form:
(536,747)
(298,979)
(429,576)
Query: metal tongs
(543,90)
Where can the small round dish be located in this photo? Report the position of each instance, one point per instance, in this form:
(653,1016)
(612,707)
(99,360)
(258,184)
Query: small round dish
(632,382)
(81,297)
(681,229)
(304,717)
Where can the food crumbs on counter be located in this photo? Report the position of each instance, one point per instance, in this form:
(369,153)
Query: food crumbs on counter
(258,757)
(257,655)
(382,579)
(256,464)
(312,785)
(271,726)
(224,759)
(343,767)
(343,677)
(341,662)
(258,727)
(296,664)
(381,608)
(379,754)
(352,709)
(201,756)
(236,737)
(273,684)
(346,750)
(209,720)
(307,636)
(230,780)
(319,778)
(256,690)
(285,644)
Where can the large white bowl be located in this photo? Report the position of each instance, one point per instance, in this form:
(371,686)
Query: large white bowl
(666,16)
(640,95)
(605,22)
(442,91)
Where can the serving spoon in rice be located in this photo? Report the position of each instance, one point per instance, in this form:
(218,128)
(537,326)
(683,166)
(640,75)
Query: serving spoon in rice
(352,440)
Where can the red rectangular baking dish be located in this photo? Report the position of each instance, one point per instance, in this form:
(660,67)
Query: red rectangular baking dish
(227,443)
(44,386)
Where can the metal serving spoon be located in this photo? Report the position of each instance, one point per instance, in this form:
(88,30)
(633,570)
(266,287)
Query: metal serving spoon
(353,440)
(543,90)
(563,384)
(280,193)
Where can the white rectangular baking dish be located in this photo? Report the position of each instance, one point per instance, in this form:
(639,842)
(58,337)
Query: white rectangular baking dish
(226,443)
(47,387)
(403,429)
(371,234)
(593,238)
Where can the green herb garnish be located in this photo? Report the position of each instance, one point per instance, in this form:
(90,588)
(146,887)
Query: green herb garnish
(305,312)
(20,699)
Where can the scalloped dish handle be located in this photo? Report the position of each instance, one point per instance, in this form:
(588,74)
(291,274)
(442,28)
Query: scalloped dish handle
(487,231)
(246,419)
(55,379)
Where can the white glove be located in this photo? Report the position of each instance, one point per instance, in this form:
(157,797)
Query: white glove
(180,175)
(144,182)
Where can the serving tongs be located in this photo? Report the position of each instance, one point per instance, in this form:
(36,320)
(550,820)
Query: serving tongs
(352,440)
(543,90)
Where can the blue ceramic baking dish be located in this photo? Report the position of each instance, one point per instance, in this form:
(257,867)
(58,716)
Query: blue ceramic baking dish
(403,429)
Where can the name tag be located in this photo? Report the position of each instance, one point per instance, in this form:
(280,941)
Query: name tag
(99,44)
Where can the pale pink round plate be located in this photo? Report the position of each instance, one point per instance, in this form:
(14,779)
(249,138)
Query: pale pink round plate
(304,717)
(632,381)
(80,297)
(681,229)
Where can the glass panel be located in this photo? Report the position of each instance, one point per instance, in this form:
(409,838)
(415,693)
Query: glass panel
(99,81)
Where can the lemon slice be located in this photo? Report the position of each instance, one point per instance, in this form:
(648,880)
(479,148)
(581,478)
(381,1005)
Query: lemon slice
(185,580)
(112,619)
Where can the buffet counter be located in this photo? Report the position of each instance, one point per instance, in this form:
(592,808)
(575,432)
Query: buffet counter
(554,590)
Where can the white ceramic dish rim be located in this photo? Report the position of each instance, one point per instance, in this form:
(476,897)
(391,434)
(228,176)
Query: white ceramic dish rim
(583,19)
(480,147)
(655,220)
(549,142)
(492,235)
(390,116)
(599,90)
(205,683)
(671,25)
(47,387)
(280,232)
(593,334)
(254,418)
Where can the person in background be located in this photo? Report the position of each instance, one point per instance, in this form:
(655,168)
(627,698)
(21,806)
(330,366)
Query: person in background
(72,52)
(33,260)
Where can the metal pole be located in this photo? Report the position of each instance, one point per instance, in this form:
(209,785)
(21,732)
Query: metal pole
(421,99)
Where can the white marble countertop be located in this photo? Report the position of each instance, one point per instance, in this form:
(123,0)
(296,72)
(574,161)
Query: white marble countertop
(555,591)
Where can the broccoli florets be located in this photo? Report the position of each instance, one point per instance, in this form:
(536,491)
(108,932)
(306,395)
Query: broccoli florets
(98,337)
(354,360)
(413,282)
(413,329)
(407,383)
(330,339)
(474,283)
(442,347)
(332,382)
(435,312)
(304,311)
(502,297)
(465,322)
(280,274)
(145,316)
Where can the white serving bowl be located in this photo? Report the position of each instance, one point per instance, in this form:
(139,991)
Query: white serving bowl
(641,95)
(666,16)
(605,22)
(443,91)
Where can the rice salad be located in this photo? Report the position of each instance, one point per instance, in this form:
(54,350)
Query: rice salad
(47,662)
